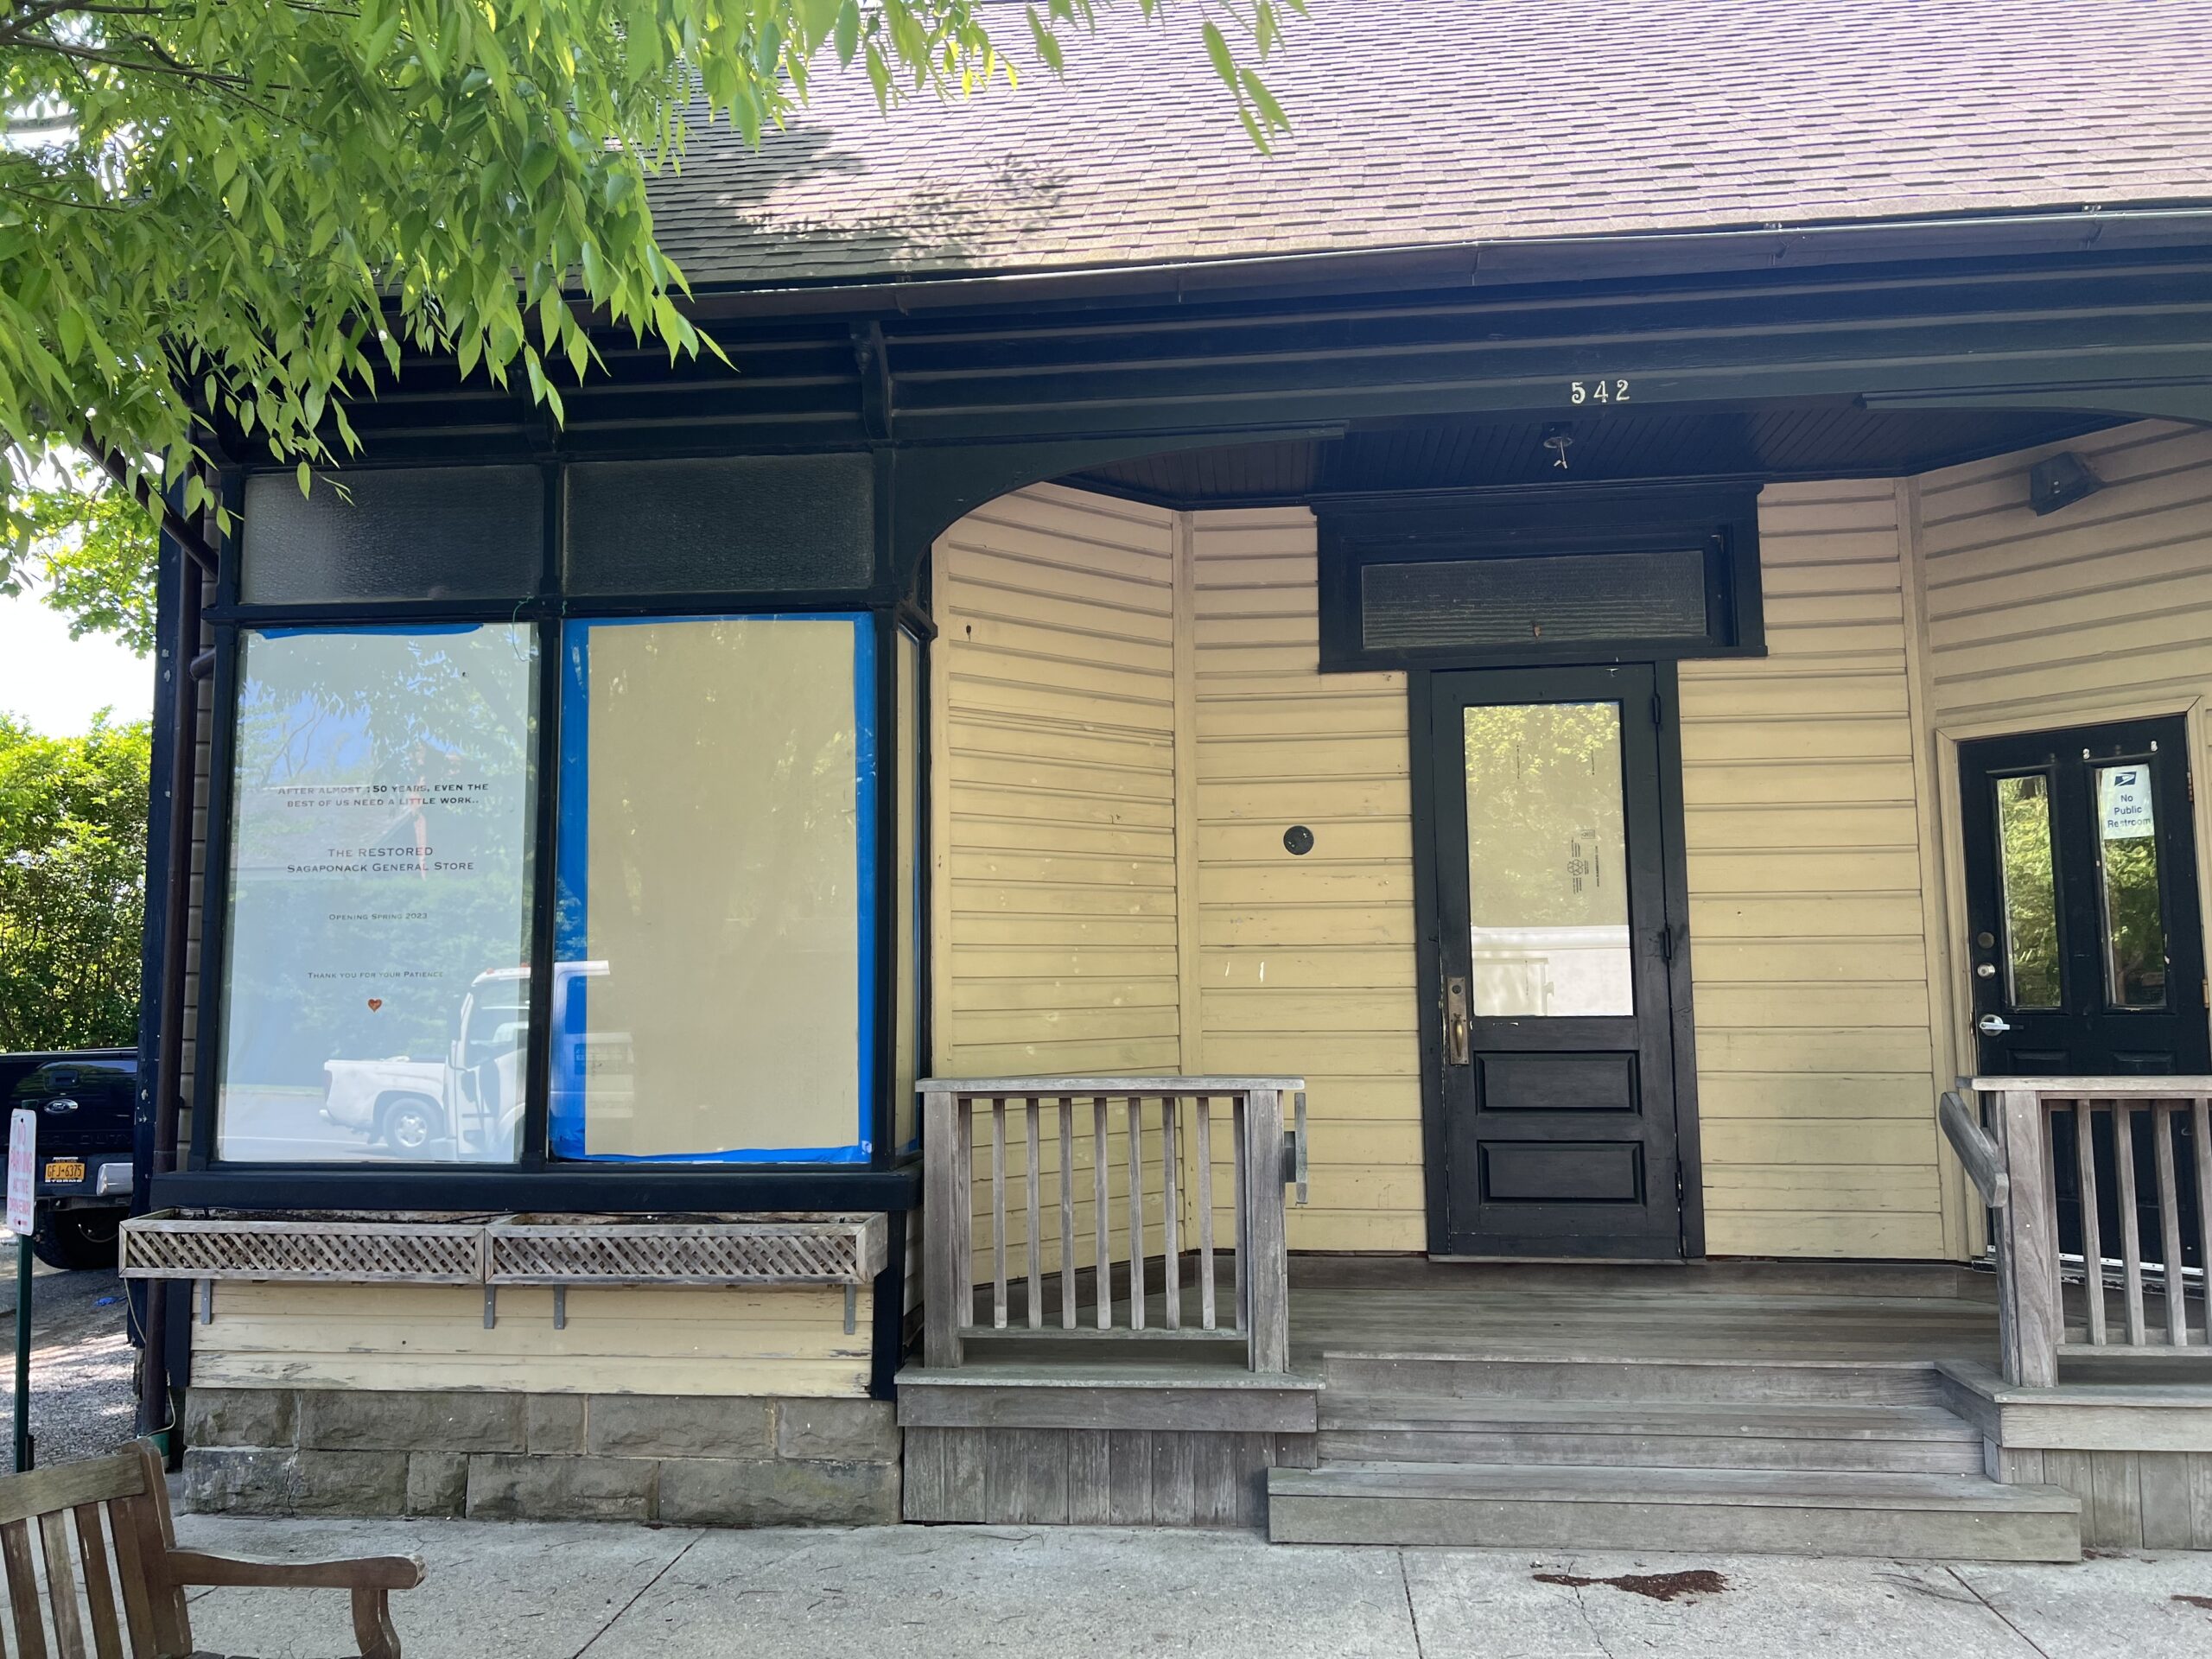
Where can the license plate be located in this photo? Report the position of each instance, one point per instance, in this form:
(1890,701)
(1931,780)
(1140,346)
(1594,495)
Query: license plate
(64,1169)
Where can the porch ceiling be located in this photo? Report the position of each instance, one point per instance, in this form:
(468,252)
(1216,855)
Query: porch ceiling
(1834,439)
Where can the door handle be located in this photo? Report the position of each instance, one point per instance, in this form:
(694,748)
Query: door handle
(1455,1021)
(1991,1025)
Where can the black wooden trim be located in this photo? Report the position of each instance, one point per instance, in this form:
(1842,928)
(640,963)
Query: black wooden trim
(924,855)
(645,1188)
(1689,1140)
(882,1110)
(1451,527)
(544,872)
(887,1322)
(215,884)
(163,779)
(1429,973)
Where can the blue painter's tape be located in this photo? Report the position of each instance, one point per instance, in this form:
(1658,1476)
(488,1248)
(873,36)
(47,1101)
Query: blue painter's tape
(864,812)
(571,870)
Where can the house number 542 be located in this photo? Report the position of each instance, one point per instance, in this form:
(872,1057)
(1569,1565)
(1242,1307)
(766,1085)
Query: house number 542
(1596,391)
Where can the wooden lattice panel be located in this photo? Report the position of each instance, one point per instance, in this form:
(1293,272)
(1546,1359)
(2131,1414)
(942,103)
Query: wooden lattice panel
(688,1250)
(170,1245)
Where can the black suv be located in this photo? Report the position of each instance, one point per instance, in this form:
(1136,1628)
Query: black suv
(85,1103)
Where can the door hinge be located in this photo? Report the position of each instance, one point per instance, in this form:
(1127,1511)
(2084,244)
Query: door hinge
(1658,710)
(1666,943)
(1680,1198)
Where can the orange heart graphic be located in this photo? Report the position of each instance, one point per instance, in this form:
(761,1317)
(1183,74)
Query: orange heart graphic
(375,1002)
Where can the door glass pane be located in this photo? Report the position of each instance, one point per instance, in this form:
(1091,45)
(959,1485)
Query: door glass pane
(1547,871)
(2030,896)
(2127,860)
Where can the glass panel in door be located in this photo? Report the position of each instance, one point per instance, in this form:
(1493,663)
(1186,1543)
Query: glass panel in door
(1547,879)
(2030,890)
(2134,931)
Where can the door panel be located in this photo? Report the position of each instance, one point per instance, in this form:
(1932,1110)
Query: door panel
(2087,948)
(2086,939)
(1553,1066)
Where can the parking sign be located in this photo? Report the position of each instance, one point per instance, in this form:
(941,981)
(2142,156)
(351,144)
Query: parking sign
(22,1169)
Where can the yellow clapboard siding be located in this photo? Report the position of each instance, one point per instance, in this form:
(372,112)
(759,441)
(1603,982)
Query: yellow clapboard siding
(2028,612)
(1752,826)
(1809,1234)
(1861,1188)
(1844,782)
(1820,736)
(1288,802)
(1854,1141)
(1819,915)
(1807,917)
(788,1341)
(1340,966)
(1846,1051)
(1783,1097)
(1768,1004)
(1814,870)
(1277,1008)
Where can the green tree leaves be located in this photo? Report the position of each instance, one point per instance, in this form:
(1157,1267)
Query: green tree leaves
(72,823)
(252,205)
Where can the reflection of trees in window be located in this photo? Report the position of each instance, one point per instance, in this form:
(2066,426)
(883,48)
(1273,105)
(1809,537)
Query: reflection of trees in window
(402,713)
(2030,892)
(1545,820)
(2135,932)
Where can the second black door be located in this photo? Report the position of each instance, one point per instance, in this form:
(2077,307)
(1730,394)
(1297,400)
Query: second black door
(2088,951)
(1552,1061)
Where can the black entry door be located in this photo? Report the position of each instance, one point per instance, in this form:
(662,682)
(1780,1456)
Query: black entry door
(2087,946)
(1553,1070)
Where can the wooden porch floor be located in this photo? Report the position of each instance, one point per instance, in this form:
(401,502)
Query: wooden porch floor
(1847,1312)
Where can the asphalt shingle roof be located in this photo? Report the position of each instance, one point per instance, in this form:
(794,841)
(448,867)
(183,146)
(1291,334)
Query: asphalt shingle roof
(1426,123)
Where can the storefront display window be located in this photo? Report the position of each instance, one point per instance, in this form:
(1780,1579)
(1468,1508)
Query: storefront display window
(377,933)
(714,996)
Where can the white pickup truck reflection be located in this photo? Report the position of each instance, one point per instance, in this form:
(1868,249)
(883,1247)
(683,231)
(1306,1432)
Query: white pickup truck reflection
(468,1107)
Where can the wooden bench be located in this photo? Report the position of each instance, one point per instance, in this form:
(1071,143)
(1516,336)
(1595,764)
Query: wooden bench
(127,1582)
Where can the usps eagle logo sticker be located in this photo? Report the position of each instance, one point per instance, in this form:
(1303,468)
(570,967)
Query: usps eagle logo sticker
(2124,803)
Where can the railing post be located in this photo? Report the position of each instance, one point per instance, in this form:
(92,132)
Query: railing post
(946,1298)
(1267,1275)
(2031,1315)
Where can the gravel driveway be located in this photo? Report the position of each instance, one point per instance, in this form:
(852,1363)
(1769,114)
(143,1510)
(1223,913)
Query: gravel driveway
(82,1398)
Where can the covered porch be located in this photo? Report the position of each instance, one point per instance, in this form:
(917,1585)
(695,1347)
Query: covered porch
(1842,1407)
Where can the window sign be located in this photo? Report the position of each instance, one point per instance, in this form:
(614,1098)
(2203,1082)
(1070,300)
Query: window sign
(715,997)
(375,991)
(2124,802)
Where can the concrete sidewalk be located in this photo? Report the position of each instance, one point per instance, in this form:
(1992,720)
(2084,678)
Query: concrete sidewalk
(556,1591)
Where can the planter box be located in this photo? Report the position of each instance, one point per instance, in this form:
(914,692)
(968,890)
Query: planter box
(329,1249)
(684,1250)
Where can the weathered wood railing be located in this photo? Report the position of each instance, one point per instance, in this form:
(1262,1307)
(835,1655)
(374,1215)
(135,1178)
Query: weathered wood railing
(2159,1226)
(1151,1145)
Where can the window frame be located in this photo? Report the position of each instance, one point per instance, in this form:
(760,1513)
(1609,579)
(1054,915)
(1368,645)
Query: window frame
(888,1181)
(1356,532)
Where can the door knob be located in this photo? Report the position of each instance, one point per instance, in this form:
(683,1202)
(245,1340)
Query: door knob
(1456,1045)
(1991,1025)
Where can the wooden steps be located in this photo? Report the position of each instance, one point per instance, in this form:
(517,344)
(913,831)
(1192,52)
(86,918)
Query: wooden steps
(1422,1428)
(1935,1517)
(1812,1456)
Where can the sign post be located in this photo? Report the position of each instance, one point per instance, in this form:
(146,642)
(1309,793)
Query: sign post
(22,1201)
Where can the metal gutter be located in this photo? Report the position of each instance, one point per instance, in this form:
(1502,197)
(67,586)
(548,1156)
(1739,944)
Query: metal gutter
(1476,264)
